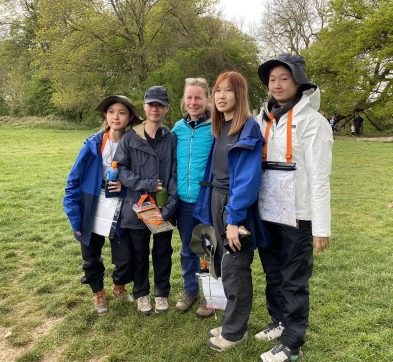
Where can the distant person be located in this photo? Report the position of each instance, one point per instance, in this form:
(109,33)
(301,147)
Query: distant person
(358,124)
(194,140)
(234,170)
(332,122)
(147,163)
(353,129)
(84,185)
(298,136)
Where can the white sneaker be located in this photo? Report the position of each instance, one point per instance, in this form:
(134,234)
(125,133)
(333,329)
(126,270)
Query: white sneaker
(281,353)
(144,304)
(215,332)
(272,331)
(161,304)
(220,344)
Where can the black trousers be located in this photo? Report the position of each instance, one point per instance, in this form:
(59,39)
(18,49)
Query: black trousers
(235,273)
(139,240)
(93,265)
(288,264)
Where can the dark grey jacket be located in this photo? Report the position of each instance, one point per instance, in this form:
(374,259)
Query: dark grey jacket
(140,169)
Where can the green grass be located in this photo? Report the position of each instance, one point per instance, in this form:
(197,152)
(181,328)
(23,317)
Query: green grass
(50,315)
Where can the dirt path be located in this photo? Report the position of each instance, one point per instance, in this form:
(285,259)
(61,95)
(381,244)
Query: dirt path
(9,353)
(376,139)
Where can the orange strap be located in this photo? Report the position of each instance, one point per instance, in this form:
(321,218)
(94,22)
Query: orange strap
(204,264)
(288,154)
(150,221)
(104,139)
(143,198)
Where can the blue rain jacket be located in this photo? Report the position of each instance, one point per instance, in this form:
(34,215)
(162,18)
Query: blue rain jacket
(245,171)
(83,188)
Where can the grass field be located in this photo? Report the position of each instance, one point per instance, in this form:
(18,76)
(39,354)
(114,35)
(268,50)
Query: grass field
(47,315)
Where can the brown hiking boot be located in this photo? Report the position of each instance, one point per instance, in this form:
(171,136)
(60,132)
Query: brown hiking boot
(100,304)
(185,302)
(203,311)
(119,291)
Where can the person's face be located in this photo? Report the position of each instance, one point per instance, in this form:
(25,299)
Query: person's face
(118,116)
(195,101)
(282,85)
(225,99)
(155,112)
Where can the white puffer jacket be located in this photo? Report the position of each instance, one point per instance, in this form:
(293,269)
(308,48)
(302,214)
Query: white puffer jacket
(312,142)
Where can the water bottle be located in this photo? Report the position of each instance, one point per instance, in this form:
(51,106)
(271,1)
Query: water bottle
(113,175)
(162,197)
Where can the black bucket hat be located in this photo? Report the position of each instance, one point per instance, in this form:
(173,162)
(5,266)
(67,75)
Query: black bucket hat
(106,102)
(295,63)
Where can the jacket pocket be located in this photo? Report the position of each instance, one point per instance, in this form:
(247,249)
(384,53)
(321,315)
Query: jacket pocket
(138,158)
(128,215)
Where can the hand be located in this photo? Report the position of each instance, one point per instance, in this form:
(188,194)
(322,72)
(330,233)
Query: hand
(114,186)
(321,242)
(78,233)
(159,186)
(233,237)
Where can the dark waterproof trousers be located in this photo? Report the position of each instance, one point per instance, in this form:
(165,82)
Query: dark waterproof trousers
(162,261)
(288,264)
(93,265)
(235,274)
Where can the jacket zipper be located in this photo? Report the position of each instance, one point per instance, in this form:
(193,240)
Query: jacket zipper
(189,165)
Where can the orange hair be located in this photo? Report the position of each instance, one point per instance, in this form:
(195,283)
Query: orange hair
(242,109)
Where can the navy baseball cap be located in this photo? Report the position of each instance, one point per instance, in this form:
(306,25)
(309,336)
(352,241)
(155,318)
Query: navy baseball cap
(157,94)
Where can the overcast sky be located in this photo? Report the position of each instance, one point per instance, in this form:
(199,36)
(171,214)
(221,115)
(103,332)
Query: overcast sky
(245,12)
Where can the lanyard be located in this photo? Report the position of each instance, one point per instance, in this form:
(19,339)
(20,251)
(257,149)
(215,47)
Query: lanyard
(288,155)
(104,139)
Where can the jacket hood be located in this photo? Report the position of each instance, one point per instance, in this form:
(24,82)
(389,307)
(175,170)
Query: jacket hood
(311,97)
(94,142)
(140,130)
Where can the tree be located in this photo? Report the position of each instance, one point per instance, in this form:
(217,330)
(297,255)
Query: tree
(77,51)
(356,73)
(98,47)
(288,26)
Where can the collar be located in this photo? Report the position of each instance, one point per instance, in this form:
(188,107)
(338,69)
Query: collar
(194,123)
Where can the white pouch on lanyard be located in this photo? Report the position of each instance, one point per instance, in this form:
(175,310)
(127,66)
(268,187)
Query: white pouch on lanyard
(107,214)
(277,201)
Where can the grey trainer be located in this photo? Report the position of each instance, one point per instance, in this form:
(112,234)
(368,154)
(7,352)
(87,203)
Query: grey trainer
(161,304)
(144,305)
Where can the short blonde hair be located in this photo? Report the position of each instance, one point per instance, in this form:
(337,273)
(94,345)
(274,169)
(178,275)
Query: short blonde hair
(199,82)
